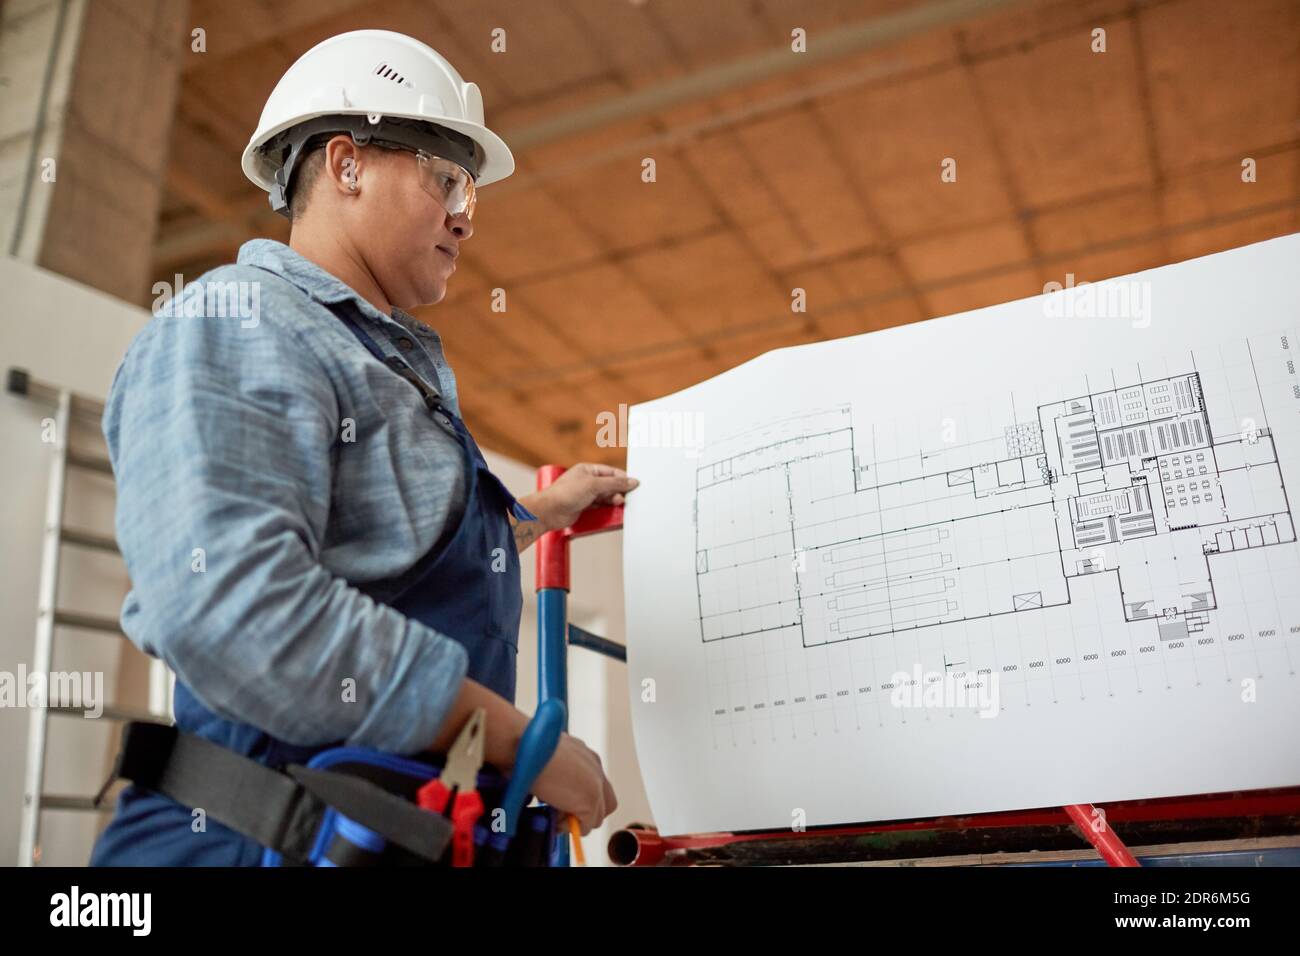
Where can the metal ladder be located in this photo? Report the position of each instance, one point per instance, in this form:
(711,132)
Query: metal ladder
(49,618)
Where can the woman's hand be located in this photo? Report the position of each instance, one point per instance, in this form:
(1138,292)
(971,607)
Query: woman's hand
(582,486)
(574,782)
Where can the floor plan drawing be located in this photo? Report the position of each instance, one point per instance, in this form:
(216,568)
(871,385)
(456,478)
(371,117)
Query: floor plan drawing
(1012,558)
(1128,481)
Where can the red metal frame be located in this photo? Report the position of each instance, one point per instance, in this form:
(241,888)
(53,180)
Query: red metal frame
(653,846)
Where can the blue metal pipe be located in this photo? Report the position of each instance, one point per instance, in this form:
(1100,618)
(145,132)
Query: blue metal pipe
(553,646)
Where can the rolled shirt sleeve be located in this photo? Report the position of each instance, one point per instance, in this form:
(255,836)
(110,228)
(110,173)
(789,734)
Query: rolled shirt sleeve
(222,437)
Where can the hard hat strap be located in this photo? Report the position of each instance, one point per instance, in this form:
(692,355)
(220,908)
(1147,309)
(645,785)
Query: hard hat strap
(289,145)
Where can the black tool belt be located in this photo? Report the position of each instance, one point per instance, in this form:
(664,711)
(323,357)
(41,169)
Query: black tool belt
(289,811)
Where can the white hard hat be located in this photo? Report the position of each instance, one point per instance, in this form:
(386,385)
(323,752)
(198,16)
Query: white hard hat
(381,75)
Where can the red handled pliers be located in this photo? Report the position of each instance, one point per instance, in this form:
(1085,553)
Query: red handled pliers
(454,793)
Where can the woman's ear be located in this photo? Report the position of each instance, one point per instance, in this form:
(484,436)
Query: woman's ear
(343,164)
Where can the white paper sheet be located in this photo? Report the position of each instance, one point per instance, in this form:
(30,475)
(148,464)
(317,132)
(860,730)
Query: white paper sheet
(1070,512)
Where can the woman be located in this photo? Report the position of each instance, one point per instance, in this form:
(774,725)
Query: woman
(316,546)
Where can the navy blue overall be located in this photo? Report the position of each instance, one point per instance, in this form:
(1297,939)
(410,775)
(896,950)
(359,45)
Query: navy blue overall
(452,589)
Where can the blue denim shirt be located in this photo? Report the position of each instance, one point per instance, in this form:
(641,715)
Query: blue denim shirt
(266,467)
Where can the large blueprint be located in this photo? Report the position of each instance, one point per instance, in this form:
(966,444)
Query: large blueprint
(1035,554)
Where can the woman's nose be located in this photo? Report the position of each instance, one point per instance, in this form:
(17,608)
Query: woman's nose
(460,226)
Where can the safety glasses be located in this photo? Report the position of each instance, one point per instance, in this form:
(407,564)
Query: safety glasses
(447,182)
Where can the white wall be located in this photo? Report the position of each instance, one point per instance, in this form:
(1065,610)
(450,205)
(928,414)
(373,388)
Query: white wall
(69,335)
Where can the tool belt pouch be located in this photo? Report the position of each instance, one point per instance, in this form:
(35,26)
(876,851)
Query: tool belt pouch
(347,840)
(348,806)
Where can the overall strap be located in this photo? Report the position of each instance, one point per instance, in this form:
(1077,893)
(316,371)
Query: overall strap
(432,397)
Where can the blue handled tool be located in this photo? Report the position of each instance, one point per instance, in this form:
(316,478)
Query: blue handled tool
(538,743)
(535,749)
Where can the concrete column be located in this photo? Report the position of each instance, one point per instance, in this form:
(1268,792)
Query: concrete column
(87,92)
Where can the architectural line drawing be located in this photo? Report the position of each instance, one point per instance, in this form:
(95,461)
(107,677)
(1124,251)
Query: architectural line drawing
(1128,482)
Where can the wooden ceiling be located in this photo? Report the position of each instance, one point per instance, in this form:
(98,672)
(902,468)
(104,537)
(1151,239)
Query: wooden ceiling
(775,173)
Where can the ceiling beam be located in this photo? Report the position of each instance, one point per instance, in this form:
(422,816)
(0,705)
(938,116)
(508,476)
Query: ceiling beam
(822,48)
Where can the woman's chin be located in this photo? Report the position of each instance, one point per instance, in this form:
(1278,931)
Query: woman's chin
(433,291)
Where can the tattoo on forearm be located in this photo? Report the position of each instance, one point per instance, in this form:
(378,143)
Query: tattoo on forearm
(526,532)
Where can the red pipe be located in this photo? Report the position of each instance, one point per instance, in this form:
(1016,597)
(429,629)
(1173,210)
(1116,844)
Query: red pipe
(1099,833)
(553,547)
(636,846)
